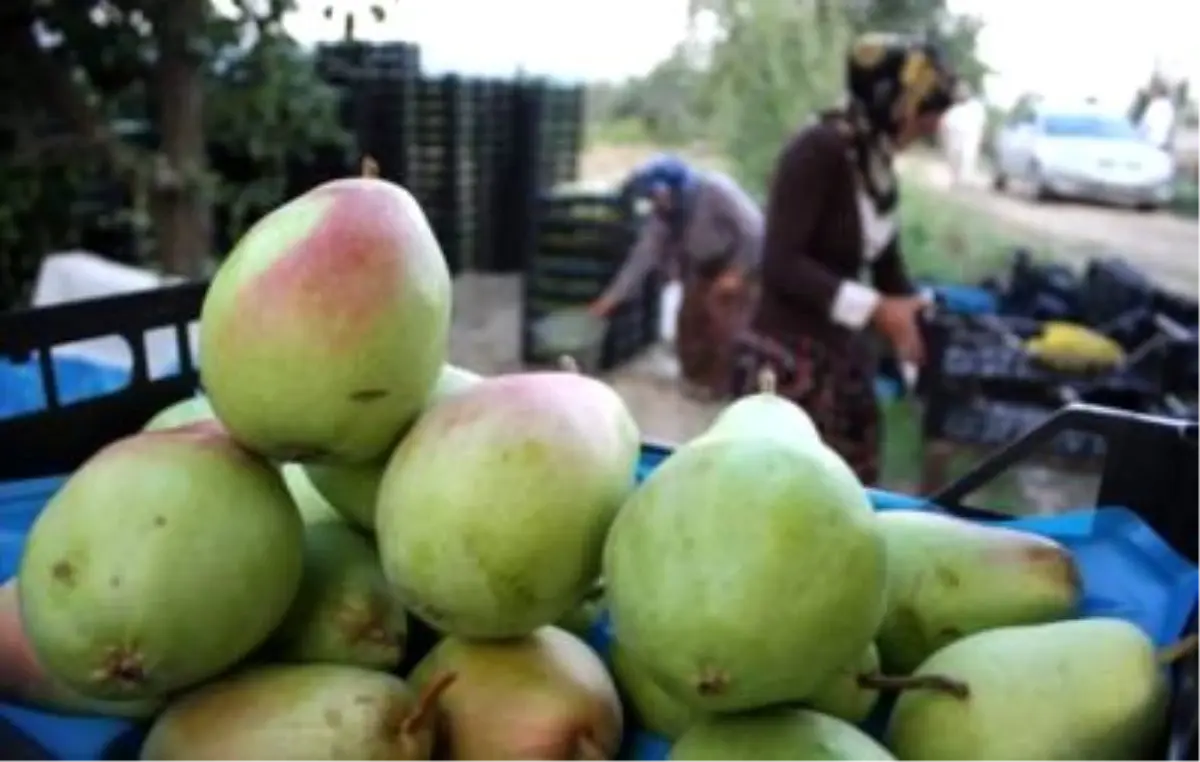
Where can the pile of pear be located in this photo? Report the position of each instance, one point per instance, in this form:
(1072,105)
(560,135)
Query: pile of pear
(761,609)
(348,548)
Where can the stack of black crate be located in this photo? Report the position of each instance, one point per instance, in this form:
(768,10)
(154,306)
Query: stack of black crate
(441,165)
(580,241)
(563,135)
(393,73)
(483,95)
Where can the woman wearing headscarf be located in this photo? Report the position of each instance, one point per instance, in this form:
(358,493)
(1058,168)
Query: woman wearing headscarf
(706,231)
(831,213)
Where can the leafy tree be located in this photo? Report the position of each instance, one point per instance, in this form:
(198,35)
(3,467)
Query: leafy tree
(81,80)
(773,64)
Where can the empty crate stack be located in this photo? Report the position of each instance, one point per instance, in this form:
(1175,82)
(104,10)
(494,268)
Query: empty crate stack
(580,242)
(442,172)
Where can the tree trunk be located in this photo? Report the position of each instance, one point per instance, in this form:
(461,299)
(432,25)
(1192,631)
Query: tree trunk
(181,211)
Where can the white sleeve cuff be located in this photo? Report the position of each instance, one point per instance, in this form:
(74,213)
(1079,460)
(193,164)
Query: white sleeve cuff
(853,305)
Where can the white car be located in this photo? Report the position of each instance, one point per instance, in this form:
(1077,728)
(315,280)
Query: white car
(1084,154)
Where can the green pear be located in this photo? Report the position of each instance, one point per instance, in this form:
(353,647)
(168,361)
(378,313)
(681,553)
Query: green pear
(353,488)
(845,695)
(765,413)
(296,711)
(200,569)
(325,329)
(745,571)
(776,733)
(656,710)
(186,411)
(948,577)
(344,612)
(493,510)
(1083,689)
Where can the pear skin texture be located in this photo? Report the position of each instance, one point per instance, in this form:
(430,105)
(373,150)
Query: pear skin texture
(24,681)
(294,712)
(656,710)
(776,733)
(1083,689)
(948,577)
(745,572)
(543,696)
(324,331)
(198,571)
(493,511)
(344,612)
(843,697)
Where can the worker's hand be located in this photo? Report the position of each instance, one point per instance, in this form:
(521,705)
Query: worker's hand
(898,318)
(601,307)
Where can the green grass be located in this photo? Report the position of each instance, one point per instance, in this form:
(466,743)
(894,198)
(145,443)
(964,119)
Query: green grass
(1187,197)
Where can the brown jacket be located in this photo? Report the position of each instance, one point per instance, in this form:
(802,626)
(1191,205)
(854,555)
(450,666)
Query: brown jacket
(813,242)
(723,228)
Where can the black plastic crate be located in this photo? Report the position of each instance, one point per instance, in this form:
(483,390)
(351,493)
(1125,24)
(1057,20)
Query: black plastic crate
(981,422)
(1043,291)
(1112,288)
(60,438)
(982,356)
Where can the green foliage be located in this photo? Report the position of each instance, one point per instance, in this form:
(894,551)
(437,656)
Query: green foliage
(82,105)
(663,103)
(774,64)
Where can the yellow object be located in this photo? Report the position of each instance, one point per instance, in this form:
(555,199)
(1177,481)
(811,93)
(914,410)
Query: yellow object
(1072,347)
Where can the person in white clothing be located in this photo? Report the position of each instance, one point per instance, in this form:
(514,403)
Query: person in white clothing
(1158,120)
(962,134)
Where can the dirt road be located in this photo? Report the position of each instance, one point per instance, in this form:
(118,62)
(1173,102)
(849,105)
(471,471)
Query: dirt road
(1161,244)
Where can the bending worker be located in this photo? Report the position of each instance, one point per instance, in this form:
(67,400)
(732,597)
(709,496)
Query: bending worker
(706,231)
(831,214)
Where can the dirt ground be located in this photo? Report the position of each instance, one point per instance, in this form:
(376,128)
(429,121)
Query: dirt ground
(486,338)
(487,308)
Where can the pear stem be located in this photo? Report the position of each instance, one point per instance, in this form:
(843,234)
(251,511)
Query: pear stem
(426,702)
(587,748)
(881,682)
(1178,650)
(767,380)
(370,167)
(567,364)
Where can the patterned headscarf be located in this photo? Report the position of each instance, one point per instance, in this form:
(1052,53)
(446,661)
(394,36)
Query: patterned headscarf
(672,173)
(890,79)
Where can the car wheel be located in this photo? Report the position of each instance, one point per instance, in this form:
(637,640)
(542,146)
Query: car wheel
(1148,207)
(999,181)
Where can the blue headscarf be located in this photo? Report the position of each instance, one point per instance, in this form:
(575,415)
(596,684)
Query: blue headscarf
(679,179)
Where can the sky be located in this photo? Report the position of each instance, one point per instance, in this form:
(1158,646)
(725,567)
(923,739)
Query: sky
(1062,48)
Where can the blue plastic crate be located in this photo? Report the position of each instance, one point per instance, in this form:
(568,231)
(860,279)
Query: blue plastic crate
(1128,572)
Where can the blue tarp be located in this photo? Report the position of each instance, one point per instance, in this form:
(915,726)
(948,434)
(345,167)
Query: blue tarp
(1128,571)
(21,389)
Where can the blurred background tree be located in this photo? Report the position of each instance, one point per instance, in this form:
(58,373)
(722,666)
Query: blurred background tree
(751,71)
(125,93)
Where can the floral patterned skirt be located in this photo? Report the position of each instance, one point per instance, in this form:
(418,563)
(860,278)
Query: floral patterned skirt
(712,313)
(832,379)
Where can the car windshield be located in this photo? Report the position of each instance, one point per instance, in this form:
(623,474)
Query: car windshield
(1089,126)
